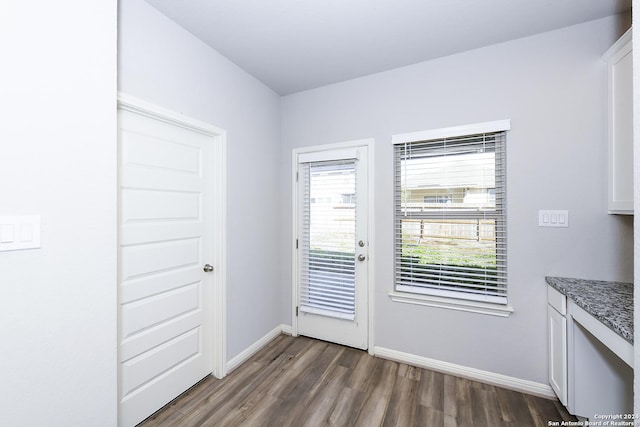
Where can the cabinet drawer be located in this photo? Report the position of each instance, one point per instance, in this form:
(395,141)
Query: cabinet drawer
(557,300)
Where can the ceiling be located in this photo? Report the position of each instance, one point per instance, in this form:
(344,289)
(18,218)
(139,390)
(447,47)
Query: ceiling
(295,45)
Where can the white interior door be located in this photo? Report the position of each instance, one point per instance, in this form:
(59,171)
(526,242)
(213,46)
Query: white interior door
(165,243)
(332,254)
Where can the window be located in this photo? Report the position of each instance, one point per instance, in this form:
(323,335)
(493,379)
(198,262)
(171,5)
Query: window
(450,218)
(349,199)
(328,236)
(437,199)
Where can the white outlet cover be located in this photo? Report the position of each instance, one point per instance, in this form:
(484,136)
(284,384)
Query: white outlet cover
(553,218)
(19,232)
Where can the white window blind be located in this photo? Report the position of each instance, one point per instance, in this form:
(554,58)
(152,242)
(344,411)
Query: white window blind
(327,247)
(450,217)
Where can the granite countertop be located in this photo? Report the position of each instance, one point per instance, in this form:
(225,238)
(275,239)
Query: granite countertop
(609,302)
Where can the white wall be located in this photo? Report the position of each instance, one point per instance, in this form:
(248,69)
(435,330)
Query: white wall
(553,88)
(636,202)
(58,160)
(162,63)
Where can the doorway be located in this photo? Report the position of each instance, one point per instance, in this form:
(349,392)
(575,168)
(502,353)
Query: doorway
(170,256)
(333,251)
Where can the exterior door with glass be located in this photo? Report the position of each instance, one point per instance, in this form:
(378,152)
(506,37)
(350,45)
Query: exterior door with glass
(331,292)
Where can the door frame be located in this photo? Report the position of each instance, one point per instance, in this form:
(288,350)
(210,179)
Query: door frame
(216,304)
(369,143)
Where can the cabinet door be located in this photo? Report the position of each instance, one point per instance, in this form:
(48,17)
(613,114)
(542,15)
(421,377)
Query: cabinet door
(558,353)
(621,128)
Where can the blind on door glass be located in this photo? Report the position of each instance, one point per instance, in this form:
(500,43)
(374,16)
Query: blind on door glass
(450,217)
(327,244)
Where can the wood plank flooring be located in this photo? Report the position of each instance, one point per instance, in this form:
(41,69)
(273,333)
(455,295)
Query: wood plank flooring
(305,382)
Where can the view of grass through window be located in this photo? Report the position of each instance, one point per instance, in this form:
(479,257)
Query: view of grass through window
(450,234)
(461,243)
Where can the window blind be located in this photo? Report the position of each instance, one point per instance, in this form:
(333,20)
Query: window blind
(327,251)
(450,217)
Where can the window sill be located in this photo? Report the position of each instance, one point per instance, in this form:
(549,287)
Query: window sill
(452,304)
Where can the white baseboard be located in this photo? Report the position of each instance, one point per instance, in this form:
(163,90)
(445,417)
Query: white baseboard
(505,381)
(244,355)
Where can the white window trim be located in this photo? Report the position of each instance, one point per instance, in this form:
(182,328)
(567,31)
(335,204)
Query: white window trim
(485,127)
(470,306)
(439,298)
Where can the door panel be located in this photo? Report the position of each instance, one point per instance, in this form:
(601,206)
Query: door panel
(140,370)
(130,347)
(145,150)
(165,239)
(558,353)
(155,257)
(156,308)
(332,279)
(145,286)
(152,204)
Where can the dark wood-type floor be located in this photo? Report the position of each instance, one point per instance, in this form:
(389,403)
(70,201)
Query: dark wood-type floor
(305,382)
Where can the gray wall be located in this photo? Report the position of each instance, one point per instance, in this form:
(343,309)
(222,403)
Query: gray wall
(162,63)
(553,88)
(636,183)
(58,160)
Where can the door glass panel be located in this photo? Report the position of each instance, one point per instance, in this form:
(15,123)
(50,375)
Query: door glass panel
(327,273)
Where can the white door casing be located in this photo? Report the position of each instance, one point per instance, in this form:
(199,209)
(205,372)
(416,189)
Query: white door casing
(171,223)
(332,272)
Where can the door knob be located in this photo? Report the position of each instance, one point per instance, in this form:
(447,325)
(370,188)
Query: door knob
(361,257)
(208,268)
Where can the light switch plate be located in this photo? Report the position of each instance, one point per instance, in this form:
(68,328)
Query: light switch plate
(19,232)
(553,218)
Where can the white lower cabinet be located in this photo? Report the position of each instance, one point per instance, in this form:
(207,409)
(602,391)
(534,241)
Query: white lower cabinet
(558,354)
(557,330)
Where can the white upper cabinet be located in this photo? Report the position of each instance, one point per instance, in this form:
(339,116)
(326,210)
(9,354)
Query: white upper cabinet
(620,125)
